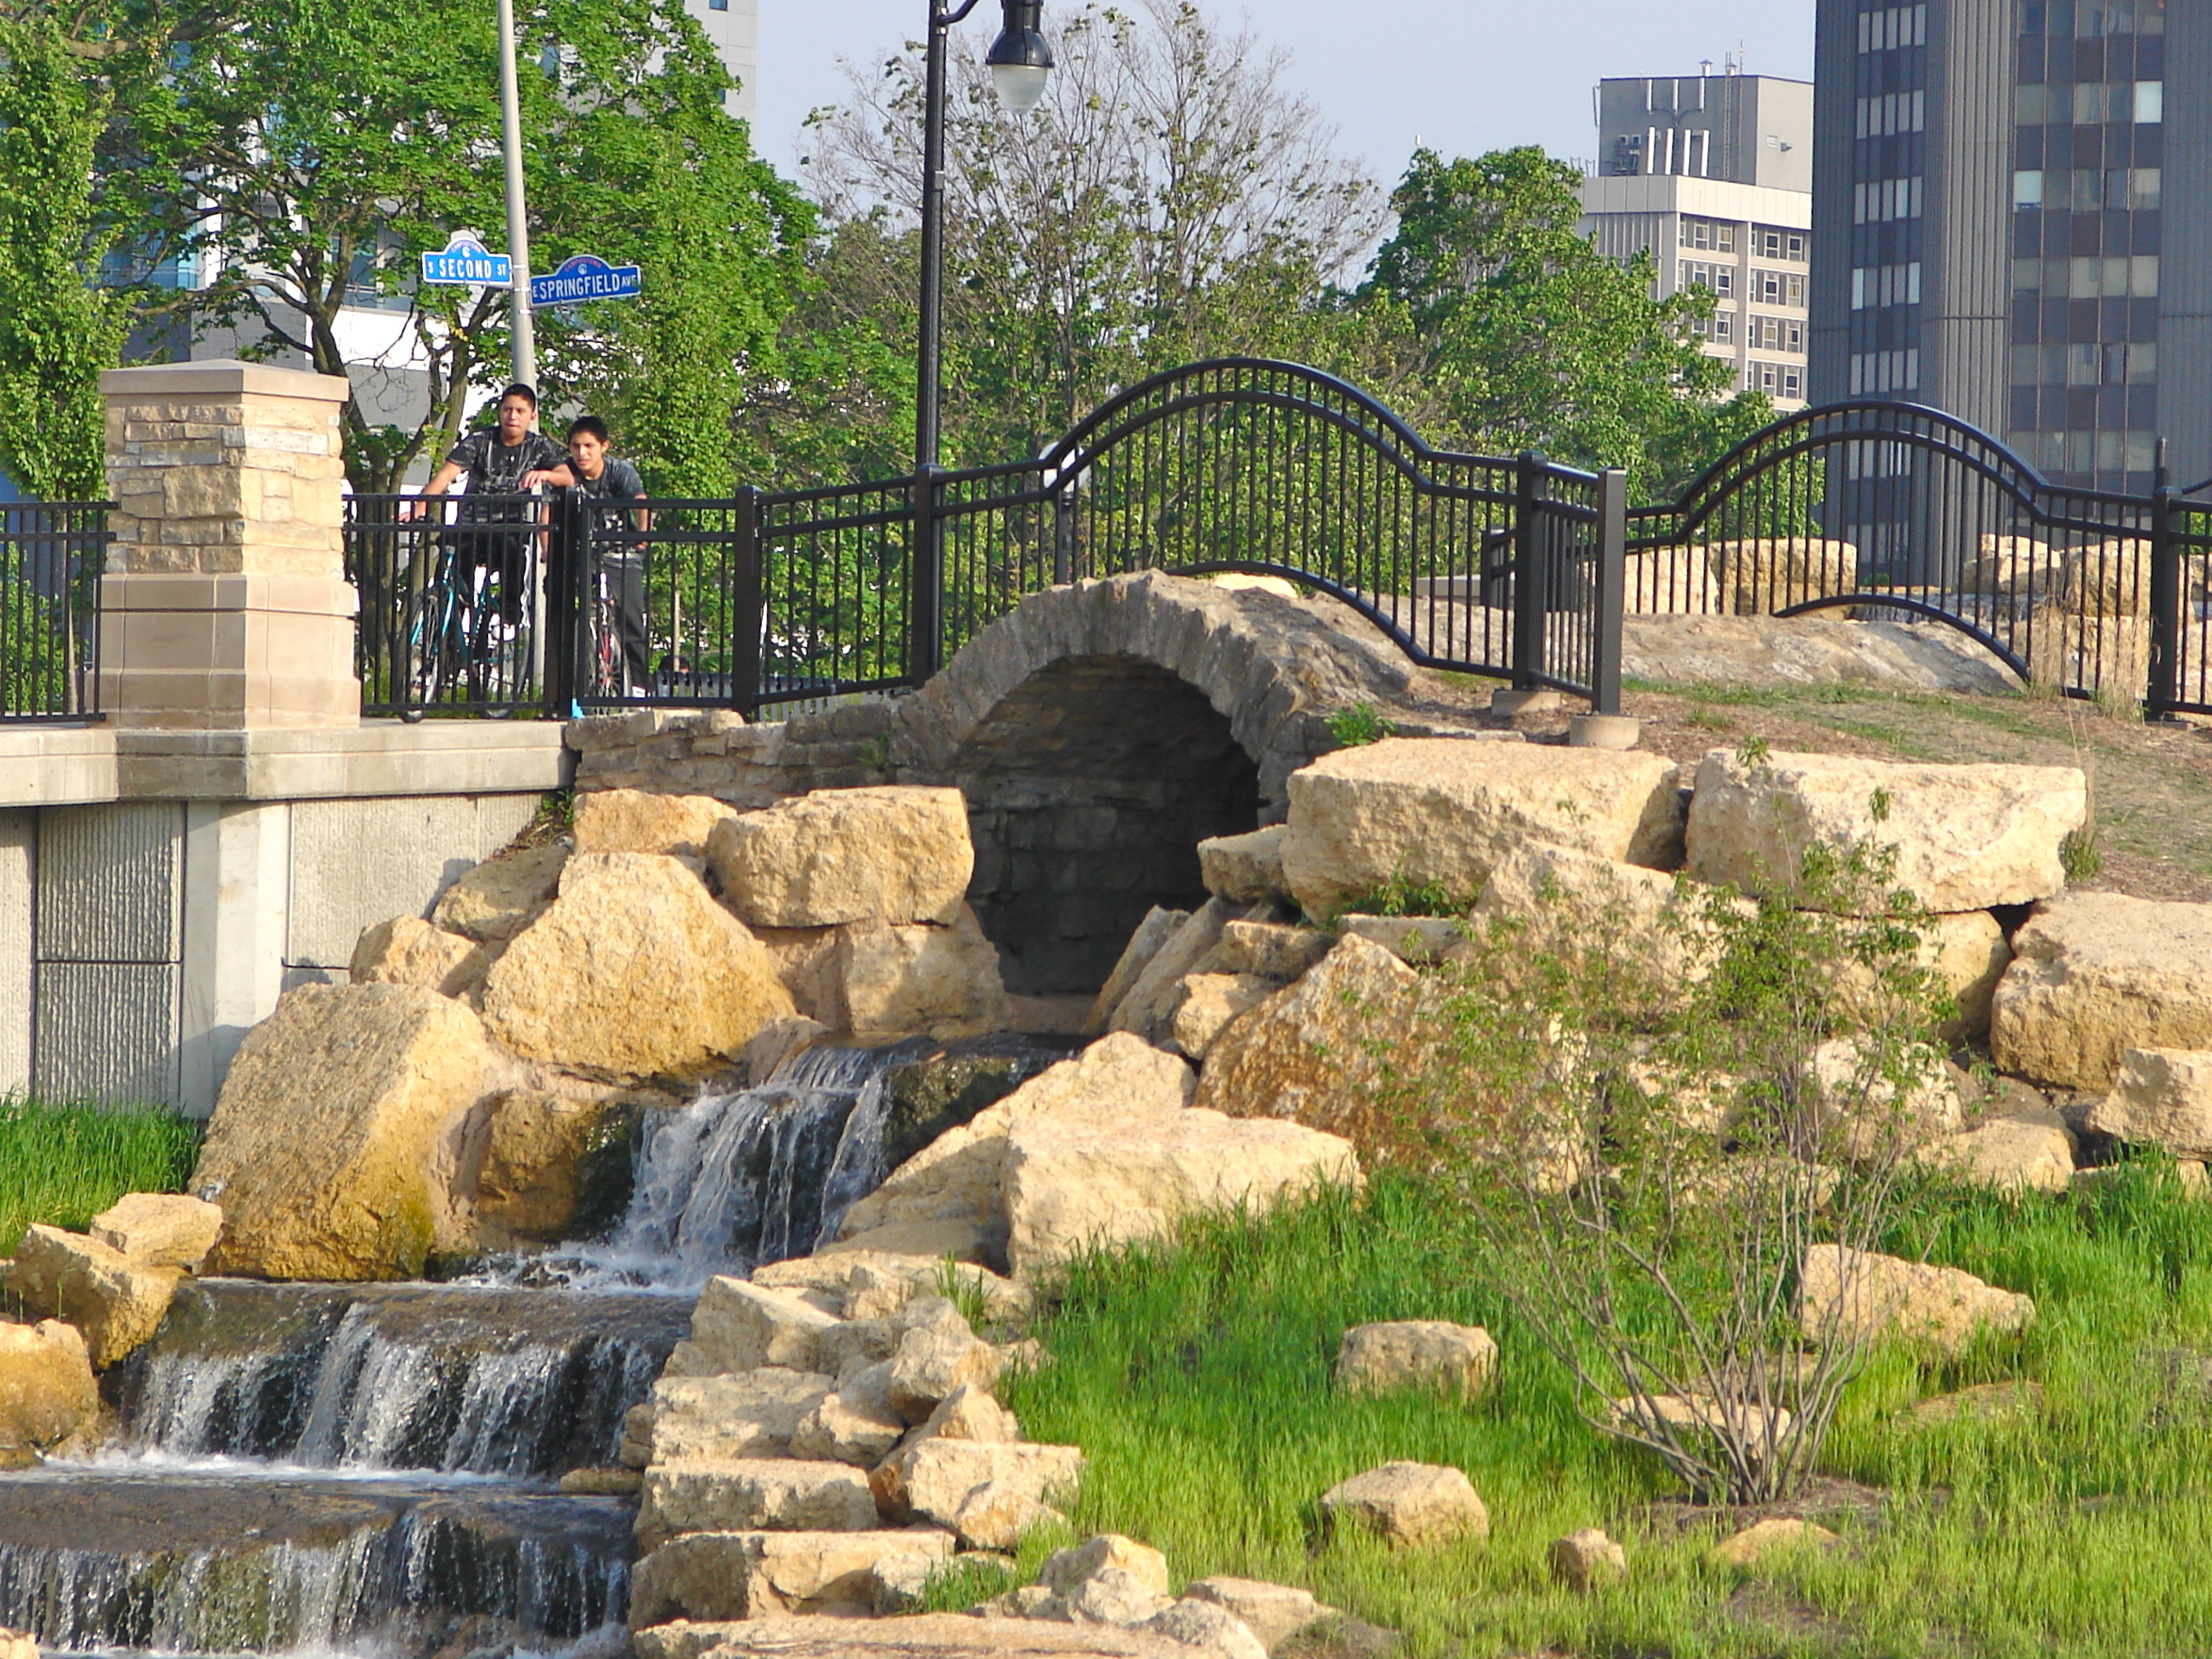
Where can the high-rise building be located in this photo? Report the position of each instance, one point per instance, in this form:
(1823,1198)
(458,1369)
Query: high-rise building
(2014,207)
(1711,174)
(734,26)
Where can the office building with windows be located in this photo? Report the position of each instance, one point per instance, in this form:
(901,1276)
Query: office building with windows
(1711,174)
(734,26)
(2013,223)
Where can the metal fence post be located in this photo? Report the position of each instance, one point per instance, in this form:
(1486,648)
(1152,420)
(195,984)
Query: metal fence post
(1610,597)
(926,613)
(748,602)
(2165,687)
(1063,536)
(567,575)
(1530,589)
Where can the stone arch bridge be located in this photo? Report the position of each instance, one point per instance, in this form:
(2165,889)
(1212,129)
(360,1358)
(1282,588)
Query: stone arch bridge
(1099,731)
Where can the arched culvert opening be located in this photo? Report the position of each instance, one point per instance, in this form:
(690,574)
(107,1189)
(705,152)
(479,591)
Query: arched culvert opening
(1089,789)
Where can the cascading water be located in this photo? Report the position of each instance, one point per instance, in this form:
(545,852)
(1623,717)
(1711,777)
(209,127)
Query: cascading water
(372,1466)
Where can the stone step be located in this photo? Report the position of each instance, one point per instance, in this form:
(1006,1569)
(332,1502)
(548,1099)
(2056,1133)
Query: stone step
(933,1635)
(753,1494)
(744,1575)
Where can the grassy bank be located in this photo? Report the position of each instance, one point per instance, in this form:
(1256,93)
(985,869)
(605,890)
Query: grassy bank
(1198,1382)
(62,1163)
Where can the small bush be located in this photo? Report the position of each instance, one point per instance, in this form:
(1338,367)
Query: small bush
(1359,725)
(1403,896)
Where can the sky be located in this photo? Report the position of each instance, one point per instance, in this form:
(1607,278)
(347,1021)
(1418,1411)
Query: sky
(1461,76)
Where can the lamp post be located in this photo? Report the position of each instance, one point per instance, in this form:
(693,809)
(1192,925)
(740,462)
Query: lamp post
(1018,61)
(522,334)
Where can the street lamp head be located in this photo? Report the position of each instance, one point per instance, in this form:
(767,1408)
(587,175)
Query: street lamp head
(1019,59)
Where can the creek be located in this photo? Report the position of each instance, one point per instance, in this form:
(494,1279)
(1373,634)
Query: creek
(374,1468)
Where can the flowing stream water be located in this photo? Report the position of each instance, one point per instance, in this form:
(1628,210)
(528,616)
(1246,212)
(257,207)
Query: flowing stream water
(374,1468)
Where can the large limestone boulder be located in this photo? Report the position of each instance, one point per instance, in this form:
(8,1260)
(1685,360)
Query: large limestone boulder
(897,980)
(1309,1052)
(953,1191)
(751,1494)
(2094,974)
(890,853)
(1160,925)
(49,1399)
(2161,1098)
(932,1636)
(1760,576)
(741,1575)
(115,1302)
(930,1479)
(1559,899)
(1205,1004)
(332,1148)
(743,1414)
(1244,870)
(1409,1503)
(739,1325)
(2029,1150)
(407,951)
(1444,812)
(1967,837)
(1431,1355)
(555,1165)
(635,971)
(159,1229)
(1149,1007)
(1100,1178)
(639,821)
(502,896)
(1858,1296)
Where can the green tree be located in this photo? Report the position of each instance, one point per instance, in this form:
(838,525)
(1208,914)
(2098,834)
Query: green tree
(1528,337)
(58,328)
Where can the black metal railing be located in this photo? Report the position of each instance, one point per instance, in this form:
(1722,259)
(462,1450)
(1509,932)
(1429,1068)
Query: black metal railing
(1510,567)
(51,556)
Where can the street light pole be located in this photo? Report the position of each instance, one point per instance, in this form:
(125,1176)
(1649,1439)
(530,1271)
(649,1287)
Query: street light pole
(1019,60)
(523,336)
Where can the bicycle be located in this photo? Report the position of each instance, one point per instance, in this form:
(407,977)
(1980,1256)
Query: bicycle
(456,635)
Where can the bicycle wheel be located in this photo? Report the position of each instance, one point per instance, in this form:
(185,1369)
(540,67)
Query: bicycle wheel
(435,648)
(607,675)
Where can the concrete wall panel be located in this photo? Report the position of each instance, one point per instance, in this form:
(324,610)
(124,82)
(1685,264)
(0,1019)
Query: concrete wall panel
(107,1031)
(110,887)
(19,833)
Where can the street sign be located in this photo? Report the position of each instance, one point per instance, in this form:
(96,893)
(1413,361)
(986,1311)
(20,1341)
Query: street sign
(586,276)
(466,262)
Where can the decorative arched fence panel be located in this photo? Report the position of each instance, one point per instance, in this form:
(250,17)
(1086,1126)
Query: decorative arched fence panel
(1892,510)
(1515,568)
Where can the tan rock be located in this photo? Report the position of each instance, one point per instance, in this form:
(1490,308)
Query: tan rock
(638,820)
(1675,581)
(900,981)
(739,1325)
(407,951)
(1419,940)
(2019,565)
(2025,1151)
(18,1645)
(1430,1355)
(1207,1630)
(899,1584)
(1064,1570)
(1408,1503)
(1847,1080)
(118,1302)
(1246,869)
(1443,812)
(1762,1430)
(1108,1596)
(971,1413)
(1098,1179)
(159,1229)
(1274,1613)
(777,1041)
(1150,1006)
(929,1480)
(753,1494)
(500,898)
(1587,1560)
(997,1516)
(940,1635)
(1206,1003)
(2094,974)
(1762,575)
(876,1284)
(332,1148)
(1860,1296)
(1966,954)
(1563,900)
(950,1192)
(49,1399)
(1268,950)
(857,1424)
(746,1414)
(892,853)
(1776,1535)
(933,1365)
(2162,1098)
(1966,836)
(1158,926)
(550,1160)
(635,971)
(719,1575)
(614,1481)
(1311,1051)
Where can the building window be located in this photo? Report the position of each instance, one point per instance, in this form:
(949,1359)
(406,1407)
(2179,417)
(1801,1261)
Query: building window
(1883,199)
(2092,19)
(1705,232)
(1793,382)
(1889,27)
(1892,113)
(1723,327)
(1875,373)
(2083,105)
(1721,279)
(1874,287)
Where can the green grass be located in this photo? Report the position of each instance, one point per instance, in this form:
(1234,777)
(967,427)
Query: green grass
(1197,1380)
(62,1163)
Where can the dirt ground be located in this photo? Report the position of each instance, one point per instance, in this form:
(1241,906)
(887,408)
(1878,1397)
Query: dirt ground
(2151,784)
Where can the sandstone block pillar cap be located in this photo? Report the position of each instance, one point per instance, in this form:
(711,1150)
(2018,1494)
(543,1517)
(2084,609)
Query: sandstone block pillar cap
(223,376)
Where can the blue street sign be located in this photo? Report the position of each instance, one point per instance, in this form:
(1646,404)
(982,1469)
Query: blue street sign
(586,276)
(468,262)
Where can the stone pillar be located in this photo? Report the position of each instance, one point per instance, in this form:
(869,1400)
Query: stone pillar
(225,605)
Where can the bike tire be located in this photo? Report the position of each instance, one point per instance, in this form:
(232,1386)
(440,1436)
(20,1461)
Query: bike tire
(431,629)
